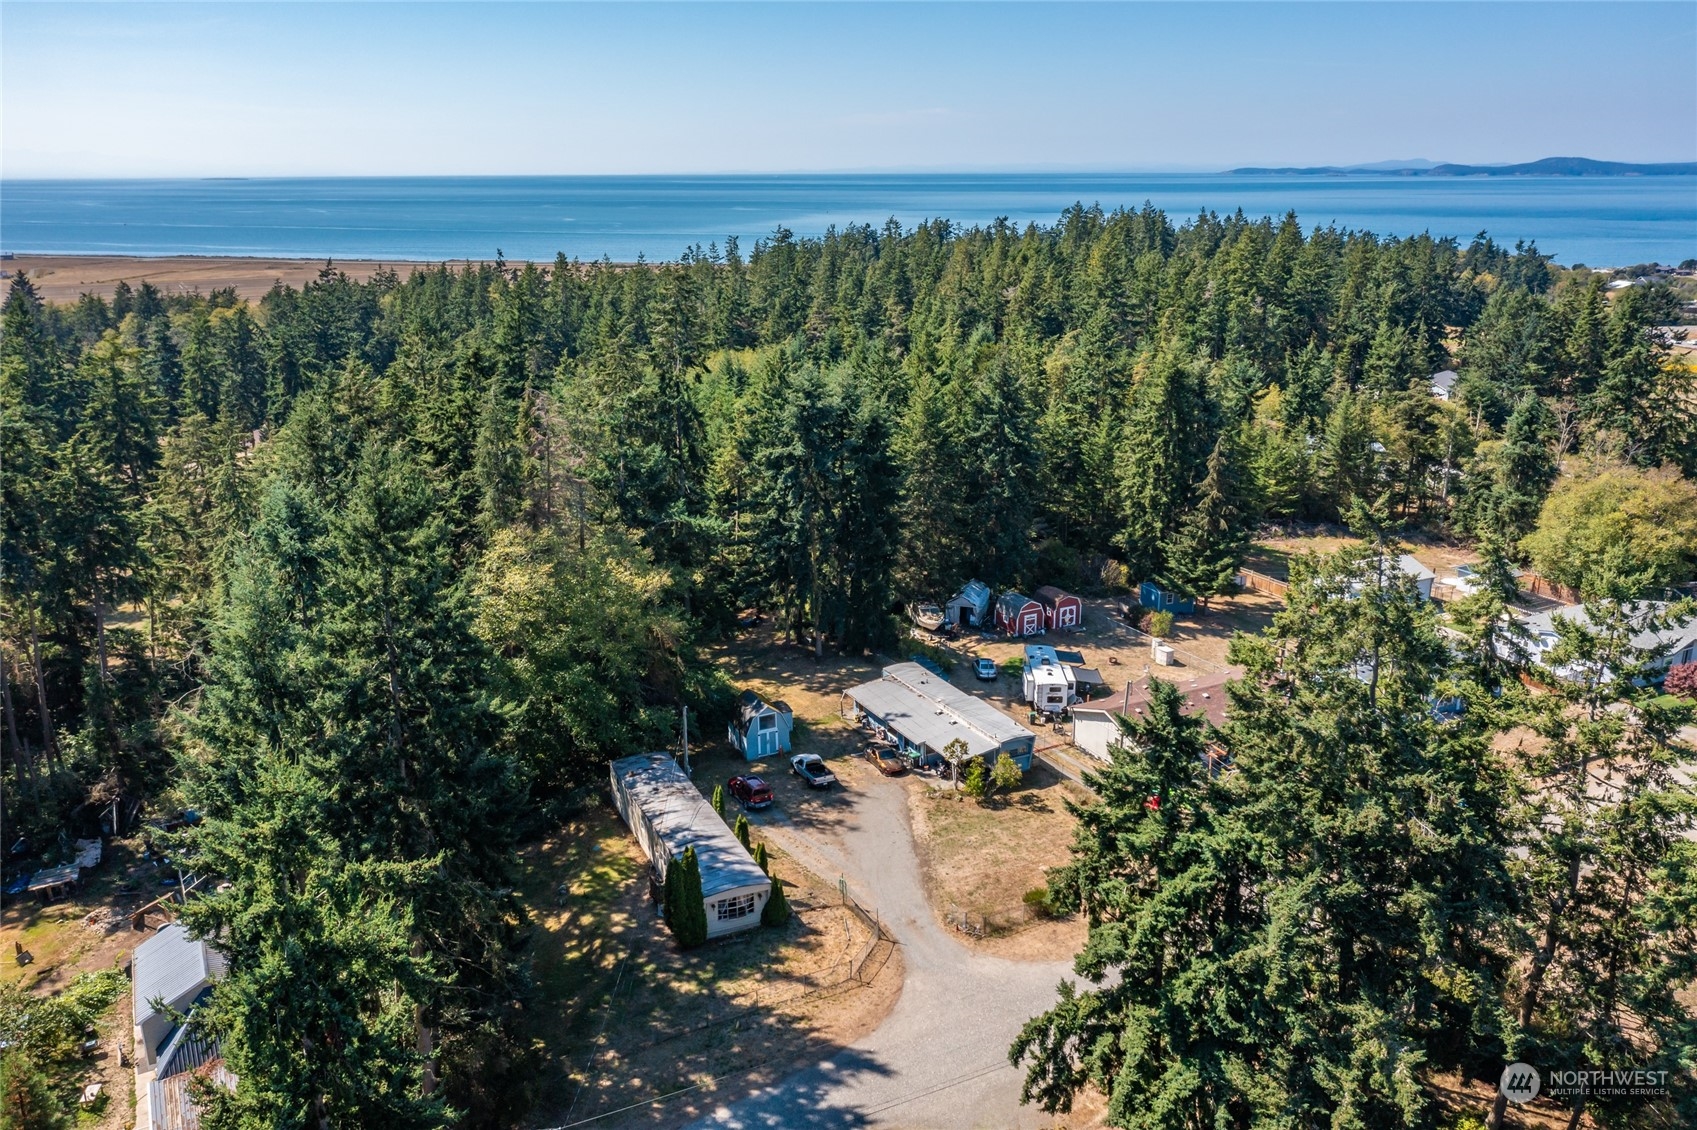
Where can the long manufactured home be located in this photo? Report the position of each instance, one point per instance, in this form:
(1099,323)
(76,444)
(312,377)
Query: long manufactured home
(667,814)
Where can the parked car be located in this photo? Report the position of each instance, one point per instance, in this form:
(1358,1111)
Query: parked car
(889,762)
(751,791)
(810,767)
(985,669)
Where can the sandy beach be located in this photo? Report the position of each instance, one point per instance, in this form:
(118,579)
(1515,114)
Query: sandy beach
(64,278)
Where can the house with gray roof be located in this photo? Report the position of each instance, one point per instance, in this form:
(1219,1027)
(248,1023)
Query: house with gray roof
(924,712)
(1663,647)
(667,814)
(171,973)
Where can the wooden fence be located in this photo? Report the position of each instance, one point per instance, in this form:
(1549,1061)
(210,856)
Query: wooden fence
(1262,583)
(1549,590)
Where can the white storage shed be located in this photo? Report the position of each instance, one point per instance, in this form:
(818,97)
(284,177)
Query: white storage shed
(667,814)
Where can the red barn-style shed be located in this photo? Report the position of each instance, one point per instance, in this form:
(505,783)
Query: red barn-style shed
(1019,615)
(1061,609)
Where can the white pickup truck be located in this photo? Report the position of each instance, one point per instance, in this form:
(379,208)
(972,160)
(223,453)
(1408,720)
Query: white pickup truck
(810,767)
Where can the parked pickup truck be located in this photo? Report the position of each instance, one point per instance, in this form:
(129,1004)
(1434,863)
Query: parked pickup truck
(811,768)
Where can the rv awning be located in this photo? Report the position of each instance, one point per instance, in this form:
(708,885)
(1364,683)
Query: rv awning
(1088,677)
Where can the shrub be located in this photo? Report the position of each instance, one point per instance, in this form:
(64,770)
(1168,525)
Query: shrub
(742,829)
(686,913)
(913,648)
(776,912)
(1038,902)
(760,856)
(719,800)
(1006,774)
(1682,680)
(1161,624)
(976,783)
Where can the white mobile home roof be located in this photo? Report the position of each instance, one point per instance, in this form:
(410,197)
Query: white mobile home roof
(928,710)
(170,967)
(681,817)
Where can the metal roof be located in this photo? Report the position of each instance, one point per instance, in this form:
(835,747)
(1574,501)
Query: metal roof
(171,967)
(1674,637)
(1410,564)
(682,818)
(1013,603)
(930,711)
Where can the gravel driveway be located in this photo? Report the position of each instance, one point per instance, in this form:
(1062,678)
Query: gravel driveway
(940,1058)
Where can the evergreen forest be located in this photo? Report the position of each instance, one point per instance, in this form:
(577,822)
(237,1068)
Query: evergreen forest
(375,577)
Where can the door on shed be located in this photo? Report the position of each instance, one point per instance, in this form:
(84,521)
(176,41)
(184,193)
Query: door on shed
(1030,622)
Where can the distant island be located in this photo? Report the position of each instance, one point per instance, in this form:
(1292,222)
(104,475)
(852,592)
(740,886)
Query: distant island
(1548,167)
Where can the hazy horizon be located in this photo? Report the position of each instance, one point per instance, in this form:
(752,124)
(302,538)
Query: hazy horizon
(98,91)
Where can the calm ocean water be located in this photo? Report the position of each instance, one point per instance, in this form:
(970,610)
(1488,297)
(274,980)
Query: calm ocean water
(1604,221)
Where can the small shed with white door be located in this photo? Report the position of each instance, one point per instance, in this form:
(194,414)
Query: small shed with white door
(667,814)
(1019,615)
(1061,609)
(760,728)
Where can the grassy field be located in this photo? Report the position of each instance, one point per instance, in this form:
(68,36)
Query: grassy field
(981,859)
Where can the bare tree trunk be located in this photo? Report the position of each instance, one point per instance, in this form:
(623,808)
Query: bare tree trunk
(48,745)
(19,754)
(1499,1107)
(1578,1113)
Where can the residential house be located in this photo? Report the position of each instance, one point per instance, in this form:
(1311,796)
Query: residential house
(922,712)
(1664,648)
(171,974)
(1443,384)
(668,815)
(1096,732)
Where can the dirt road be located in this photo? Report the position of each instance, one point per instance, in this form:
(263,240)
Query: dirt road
(940,1059)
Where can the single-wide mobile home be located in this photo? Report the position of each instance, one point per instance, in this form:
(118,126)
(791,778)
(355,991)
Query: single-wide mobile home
(760,728)
(922,711)
(1019,615)
(970,606)
(1061,609)
(667,814)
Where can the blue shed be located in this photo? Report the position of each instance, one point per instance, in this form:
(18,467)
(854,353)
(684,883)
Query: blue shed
(1157,599)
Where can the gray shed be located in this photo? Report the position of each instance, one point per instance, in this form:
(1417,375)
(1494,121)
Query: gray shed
(667,813)
(970,606)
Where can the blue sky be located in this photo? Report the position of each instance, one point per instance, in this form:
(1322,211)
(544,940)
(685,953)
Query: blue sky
(409,88)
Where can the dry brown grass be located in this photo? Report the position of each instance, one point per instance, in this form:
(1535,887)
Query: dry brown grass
(65,278)
(631,1018)
(982,858)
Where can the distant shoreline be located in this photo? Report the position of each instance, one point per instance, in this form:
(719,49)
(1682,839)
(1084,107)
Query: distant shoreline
(65,278)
